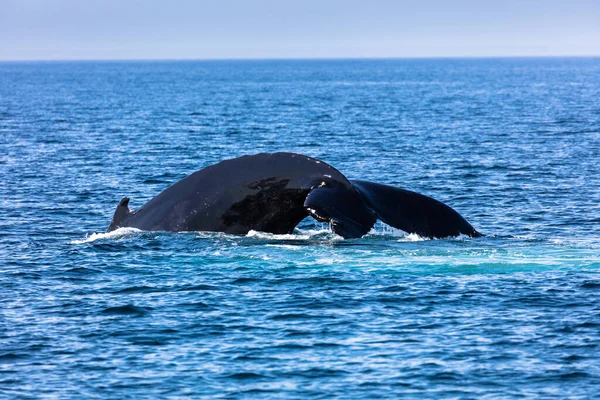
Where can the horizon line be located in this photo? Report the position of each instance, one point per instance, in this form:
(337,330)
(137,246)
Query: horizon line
(334,58)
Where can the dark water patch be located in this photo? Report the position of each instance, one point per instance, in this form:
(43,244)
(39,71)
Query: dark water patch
(299,316)
(128,309)
(9,358)
(319,372)
(295,333)
(139,289)
(574,358)
(591,285)
(397,300)
(445,377)
(253,358)
(258,391)
(243,376)
(289,104)
(83,271)
(154,181)
(245,280)
(588,324)
(575,375)
(534,300)
(27,275)
(148,341)
(395,288)
(199,305)
(326,344)
(314,280)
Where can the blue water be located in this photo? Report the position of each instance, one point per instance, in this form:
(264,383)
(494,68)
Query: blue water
(512,144)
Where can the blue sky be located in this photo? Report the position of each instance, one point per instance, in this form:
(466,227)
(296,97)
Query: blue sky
(209,29)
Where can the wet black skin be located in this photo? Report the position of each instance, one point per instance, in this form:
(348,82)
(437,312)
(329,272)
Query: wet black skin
(274,192)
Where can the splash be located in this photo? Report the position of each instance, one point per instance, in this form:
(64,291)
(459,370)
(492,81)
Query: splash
(116,234)
(412,237)
(384,231)
(300,234)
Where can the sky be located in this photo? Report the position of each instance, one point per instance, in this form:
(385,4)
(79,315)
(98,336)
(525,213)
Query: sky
(238,29)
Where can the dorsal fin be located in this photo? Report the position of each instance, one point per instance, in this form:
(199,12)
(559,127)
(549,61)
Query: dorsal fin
(121,214)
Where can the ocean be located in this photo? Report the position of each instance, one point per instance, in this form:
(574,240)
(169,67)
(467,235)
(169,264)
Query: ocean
(512,144)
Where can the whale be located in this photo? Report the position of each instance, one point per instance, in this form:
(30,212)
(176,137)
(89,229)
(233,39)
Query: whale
(273,192)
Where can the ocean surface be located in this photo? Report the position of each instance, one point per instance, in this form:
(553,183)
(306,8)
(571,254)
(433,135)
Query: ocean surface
(512,144)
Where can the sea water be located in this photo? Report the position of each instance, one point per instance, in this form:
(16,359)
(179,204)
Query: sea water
(511,144)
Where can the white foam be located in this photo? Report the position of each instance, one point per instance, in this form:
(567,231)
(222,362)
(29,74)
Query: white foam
(299,234)
(265,235)
(118,233)
(290,236)
(412,237)
(381,229)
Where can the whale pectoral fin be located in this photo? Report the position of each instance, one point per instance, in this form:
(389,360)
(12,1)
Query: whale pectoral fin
(413,212)
(343,208)
(120,215)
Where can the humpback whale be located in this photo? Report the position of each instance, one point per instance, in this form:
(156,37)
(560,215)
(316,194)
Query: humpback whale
(273,192)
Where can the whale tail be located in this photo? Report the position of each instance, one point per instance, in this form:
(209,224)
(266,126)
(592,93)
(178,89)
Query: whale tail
(353,211)
(413,212)
(121,214)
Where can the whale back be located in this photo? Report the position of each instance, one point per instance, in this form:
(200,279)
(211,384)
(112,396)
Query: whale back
(263,192)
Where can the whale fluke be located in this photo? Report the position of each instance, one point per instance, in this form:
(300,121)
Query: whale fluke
(413,212)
